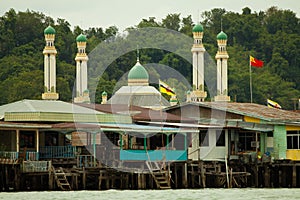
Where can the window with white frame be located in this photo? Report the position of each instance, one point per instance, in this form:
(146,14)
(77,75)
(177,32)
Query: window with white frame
(220,137)
(203,138)
(293,139)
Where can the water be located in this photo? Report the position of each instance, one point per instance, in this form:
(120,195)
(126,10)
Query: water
(203,194)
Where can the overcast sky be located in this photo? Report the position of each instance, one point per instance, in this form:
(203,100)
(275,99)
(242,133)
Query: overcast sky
(123,14)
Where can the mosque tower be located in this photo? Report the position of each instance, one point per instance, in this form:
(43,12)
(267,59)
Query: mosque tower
(82,92)
(198,93)
(222,58)
(50,65)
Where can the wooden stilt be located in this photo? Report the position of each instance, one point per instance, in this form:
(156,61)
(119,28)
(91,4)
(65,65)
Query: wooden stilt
(83,178)
(294,184)
(184,173)
(256,175)
(203,178)
(6,179)
(176,176)
(50,180)
(267,176)
(279,178)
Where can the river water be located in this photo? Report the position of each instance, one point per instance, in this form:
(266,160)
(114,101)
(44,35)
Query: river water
(184,194)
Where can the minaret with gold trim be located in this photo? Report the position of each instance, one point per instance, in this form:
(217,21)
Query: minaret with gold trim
(50,65)
(198,93)
(222,58)
(82,92)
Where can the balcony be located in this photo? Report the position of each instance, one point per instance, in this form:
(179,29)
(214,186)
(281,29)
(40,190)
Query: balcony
(153,155)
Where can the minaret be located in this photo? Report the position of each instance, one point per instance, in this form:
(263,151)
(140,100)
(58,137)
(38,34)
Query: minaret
(49,65)
(104,97)
(82,92)
(222,57)
(173,100)
(198,93)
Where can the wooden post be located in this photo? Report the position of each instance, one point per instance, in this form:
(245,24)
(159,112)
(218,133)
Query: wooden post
(230,179)
(6,178)
(100,179)
(203,178)
(17,179)
(184,173)
(294,184)
(279,177)
(267,176)
(192,175)
(18,140)
(284,176)
(176,175)
(107,178)
(83,178)
(139,181)
(50,177)
(256,175)
(37,143)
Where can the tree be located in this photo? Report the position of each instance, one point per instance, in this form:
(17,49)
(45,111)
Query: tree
(172,21)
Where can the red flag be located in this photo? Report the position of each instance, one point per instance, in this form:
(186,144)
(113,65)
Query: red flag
(255,62)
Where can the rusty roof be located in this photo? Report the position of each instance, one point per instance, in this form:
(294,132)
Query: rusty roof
(251,110)
(137,113)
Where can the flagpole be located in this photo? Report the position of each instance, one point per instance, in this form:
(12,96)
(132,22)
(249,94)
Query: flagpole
(250,80)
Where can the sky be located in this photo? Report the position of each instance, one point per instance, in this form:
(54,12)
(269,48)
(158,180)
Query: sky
(128,13)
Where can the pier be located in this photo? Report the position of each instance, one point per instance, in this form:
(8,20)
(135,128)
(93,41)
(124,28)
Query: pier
(68,175)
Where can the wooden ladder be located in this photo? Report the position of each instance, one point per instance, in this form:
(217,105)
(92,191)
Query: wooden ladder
(161,177)
(61,178)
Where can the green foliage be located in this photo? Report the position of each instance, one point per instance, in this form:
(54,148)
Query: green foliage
(271,35)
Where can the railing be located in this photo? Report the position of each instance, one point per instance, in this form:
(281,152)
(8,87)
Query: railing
(36,166)
(57,152)
(11,155)
(32,155)
(86,161)
(154,155)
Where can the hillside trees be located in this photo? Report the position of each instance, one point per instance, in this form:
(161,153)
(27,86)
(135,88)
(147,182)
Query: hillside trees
(271,35)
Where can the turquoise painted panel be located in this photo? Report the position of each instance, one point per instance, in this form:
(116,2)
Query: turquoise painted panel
(154,155)
(280,143)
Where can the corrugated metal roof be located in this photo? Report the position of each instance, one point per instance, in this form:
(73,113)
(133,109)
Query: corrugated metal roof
(252,110)
(45,106)
(141,129)
(139,113)
(14,125)
(56,111)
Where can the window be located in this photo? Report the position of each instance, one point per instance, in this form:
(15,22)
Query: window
(220,137)
(245,139)
(27,139)
(203,138)
(51,139)
(293,139)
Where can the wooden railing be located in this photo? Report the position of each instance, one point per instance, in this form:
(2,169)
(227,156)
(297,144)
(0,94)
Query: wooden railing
(9,155)
(86,161)
(57,152)
(36,166)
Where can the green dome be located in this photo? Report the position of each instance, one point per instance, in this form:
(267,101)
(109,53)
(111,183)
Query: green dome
(49,30)
(104,93)
(198,28)
(222,36)
(138,72)
(81,38)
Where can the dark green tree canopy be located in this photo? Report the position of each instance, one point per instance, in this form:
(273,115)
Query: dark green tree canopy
(272,36)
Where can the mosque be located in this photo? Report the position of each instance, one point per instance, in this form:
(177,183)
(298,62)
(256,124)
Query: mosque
(138,92)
